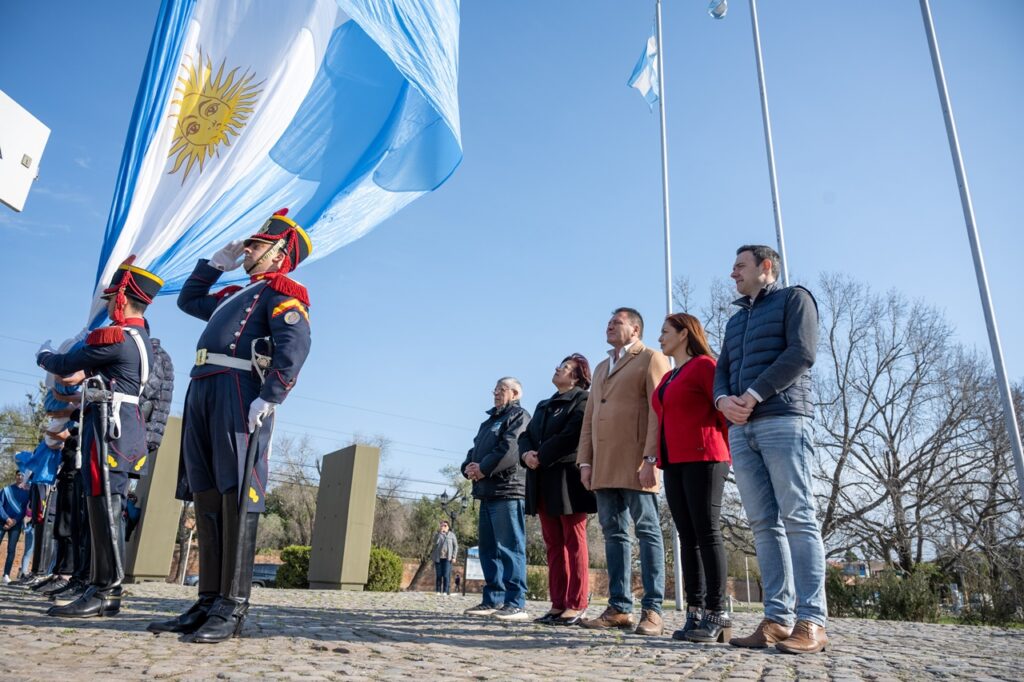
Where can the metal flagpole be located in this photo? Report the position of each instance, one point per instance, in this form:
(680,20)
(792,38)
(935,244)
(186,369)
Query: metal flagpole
(776,205)
(1009,415)
(676,547)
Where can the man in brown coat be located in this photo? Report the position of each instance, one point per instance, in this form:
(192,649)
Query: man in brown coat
(617,453)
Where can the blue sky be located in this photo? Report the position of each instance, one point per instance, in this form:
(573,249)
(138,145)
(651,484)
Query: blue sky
(554,217)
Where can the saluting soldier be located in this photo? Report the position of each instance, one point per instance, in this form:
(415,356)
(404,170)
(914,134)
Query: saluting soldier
(247,360)
(116,360)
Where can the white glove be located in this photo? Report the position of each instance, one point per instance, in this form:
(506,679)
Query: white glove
(44,349)
(230,257)
(259,410)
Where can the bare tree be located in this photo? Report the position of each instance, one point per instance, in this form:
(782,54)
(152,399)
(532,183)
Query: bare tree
(714,313)
(894,395)
(295,478)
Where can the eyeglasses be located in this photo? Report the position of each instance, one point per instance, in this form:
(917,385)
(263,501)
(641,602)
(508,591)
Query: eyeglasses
(500,389)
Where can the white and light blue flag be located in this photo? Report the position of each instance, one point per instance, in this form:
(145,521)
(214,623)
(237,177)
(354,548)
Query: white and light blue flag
(718,8)
(645,73)
(344,111)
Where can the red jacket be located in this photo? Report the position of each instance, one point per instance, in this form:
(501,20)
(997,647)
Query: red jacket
(688,423)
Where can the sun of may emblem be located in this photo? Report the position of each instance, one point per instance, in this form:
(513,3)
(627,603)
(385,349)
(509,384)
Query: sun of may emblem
(212,109)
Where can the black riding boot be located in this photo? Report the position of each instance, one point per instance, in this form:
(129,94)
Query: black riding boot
(209,529)
(227,616)
(103,597)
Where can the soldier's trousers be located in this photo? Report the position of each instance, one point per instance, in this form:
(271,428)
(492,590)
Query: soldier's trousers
(106,532)
(80,536)
(215,435)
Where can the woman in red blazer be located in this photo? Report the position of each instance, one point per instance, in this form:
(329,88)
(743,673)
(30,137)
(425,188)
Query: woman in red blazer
(694,458)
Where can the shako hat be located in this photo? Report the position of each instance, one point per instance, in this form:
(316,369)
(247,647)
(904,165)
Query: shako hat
(286,235)
(130,280)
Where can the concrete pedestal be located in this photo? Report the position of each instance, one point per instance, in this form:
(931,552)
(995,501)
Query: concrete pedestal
(343,527)
(148,555)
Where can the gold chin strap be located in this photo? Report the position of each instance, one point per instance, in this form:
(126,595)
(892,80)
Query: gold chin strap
(272,251)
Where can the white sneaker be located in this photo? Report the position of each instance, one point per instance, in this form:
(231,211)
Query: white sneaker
(7,580)
(511,613)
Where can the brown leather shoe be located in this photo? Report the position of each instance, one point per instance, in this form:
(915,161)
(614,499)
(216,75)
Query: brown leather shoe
(768,632)
(650,623)
(807,638)
(611,618)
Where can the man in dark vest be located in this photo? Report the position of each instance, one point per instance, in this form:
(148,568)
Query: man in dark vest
(113,437)
(247,360)
(763,387)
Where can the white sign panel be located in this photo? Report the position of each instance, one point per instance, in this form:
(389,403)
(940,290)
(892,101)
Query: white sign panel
(22,140)
(473,569)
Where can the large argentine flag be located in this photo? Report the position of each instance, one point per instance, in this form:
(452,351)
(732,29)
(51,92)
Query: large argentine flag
(343,111)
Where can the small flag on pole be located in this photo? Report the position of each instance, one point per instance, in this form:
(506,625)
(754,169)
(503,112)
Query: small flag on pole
(718,8)
(645,73)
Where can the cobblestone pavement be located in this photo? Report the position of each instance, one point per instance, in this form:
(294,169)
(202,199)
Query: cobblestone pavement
(293,634)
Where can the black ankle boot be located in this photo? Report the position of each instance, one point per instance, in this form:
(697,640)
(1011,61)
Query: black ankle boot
(74,590)
(693,616)
(93,602)
(715,626)
(223,622)
(188,622)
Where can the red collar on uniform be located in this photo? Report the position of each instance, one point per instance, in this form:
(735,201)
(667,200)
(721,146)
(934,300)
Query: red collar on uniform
(283,285)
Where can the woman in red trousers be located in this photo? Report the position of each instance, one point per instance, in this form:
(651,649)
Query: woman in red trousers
(555,493)
(694,459)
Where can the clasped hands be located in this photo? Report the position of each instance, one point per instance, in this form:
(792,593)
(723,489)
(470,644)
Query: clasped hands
(531,459)
(473,472)
(737,408)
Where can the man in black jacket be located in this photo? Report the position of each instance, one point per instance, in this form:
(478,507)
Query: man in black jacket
(499,483)
(763,387)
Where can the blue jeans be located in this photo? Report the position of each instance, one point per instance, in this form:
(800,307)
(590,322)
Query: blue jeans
(502,540)
(442,576)
(615,508)
(771,458)
(12,534)
(26,557)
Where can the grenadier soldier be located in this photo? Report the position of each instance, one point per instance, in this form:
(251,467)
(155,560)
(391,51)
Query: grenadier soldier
(247,360)
(116,359)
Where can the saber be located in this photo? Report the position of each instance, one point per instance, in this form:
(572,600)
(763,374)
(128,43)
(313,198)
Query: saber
(105,470)
(243,508)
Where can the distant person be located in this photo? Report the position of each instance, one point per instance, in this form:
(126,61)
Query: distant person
(694,459)
(499,483)
(763,387)
(13,500)
(446,550)
(617,453)
(458,582)
(555,493)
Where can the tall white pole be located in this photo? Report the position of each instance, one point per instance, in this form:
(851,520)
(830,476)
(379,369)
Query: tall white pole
(664,162)
(676,546)
(776,204)
(1009,414)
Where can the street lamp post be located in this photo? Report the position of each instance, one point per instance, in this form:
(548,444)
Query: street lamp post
(746,570)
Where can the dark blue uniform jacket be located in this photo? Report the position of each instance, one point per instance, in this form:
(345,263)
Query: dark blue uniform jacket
(112,354)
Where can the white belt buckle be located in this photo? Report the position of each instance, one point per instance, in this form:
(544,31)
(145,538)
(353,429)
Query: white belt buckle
(200,357)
